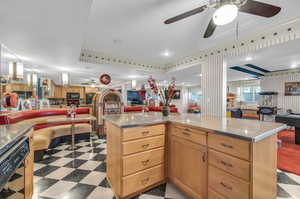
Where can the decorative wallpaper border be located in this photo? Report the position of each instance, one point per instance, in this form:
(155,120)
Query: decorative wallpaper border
(89,56)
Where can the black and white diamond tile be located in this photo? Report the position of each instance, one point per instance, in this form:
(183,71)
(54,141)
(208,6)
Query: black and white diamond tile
(64,174)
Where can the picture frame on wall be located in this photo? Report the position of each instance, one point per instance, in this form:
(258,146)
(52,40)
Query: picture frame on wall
(292,89)
(176,94)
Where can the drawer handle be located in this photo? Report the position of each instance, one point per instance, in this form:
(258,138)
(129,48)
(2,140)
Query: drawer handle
(226,186)
(227,145)
(226,164)
(145,132)
(145,145)
(145,162)
(186,133)
(204,157)
(145,181)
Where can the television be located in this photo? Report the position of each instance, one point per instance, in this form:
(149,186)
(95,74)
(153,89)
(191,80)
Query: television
(134,98)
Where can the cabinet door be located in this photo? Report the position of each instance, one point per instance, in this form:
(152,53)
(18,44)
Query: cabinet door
(189,167)
(29,169)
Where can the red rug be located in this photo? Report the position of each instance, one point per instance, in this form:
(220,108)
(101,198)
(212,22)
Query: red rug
(289,152)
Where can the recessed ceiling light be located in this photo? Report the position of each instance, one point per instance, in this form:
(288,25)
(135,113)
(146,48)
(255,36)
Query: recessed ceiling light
(166,53)
(200,75)
(63,68)
(249,58)
(133,76)
(294,66)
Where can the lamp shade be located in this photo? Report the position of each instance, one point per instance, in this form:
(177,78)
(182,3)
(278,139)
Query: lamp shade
(225,14)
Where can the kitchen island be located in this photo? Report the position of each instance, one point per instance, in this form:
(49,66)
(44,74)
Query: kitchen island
(205,156)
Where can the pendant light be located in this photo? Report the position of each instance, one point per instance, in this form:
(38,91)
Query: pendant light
(16,70)
(65,77)
(32,79)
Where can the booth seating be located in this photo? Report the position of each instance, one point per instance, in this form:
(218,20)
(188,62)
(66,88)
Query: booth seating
(48,135)
(150,109)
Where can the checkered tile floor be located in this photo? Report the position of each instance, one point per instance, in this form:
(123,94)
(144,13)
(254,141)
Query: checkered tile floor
(64,174)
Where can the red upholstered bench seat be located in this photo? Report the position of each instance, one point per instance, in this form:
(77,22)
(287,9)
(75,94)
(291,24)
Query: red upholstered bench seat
(45,132)
(15,117)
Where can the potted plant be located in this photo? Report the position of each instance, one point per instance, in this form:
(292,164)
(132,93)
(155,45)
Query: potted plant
(166,94)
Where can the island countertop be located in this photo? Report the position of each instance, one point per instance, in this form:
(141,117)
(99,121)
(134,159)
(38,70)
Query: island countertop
(11,133)
(249,130)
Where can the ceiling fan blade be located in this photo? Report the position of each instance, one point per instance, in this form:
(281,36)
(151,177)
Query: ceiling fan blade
(260,9)
(210,29)
(186,14)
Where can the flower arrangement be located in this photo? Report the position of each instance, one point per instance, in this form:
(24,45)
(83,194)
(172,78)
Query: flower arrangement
(166,94)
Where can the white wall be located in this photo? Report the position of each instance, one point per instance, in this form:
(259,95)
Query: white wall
(276,83)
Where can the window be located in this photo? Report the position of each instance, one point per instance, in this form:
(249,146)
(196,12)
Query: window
(250,93)
(195,96)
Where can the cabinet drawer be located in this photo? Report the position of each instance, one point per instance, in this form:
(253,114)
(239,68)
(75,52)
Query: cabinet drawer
(233,146)
(144,160)
(141,180)
(227,185)
(190,134)
(143,144)
(142,132)
(237,167)
(214,195)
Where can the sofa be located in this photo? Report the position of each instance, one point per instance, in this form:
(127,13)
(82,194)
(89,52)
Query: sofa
(48,135)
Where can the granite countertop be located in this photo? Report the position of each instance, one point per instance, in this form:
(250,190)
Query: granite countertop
(250,130)
(11,133)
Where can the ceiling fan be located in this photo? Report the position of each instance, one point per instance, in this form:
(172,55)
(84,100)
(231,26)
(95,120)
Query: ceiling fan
(227,11)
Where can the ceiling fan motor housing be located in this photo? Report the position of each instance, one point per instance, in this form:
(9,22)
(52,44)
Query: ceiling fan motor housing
(219,3)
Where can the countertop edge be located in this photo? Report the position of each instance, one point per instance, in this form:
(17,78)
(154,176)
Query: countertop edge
(255,139)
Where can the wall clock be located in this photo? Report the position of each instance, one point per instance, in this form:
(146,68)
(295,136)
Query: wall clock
(105,79)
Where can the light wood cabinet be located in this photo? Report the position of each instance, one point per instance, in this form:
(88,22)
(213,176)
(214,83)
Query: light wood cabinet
(204,165)
(58,92)
(29,169)
(17,87)
(91,90)
(73,89)
(188,169)
(135,159)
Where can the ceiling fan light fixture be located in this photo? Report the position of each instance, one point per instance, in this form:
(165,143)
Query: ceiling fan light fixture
(225,14)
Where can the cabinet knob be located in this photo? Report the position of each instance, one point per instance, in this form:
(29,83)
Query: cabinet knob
(145,145)
(145,162)
(226,186)
(227,145)
(145,132)
(145,181)
(226,164)
(204,157)
(186,133)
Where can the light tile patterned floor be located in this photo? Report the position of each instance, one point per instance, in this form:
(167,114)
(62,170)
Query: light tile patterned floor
(82,175)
